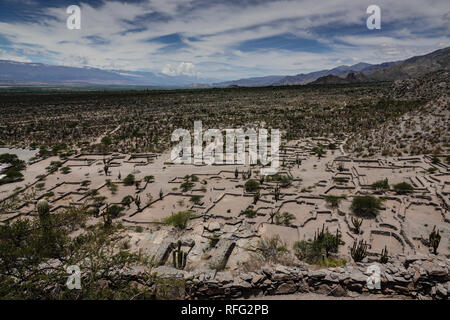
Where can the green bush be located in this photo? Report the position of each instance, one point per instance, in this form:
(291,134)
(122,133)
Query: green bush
(196,199)
(403,188)
(129,180)
(381,185)
(366,206)
(314,251)
(186,186)
(249,213)
(179,219)
(114,210)
(65,170)
(251,185)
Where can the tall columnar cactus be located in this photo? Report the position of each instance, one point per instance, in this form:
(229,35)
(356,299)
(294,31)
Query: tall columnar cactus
(256,197)
(43,208)
(277,193)
(179,257)
(384,255)
(357,224)
(434,239)
(137,202)
(359,250)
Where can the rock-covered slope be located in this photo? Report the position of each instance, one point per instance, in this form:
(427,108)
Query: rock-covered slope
(424,130)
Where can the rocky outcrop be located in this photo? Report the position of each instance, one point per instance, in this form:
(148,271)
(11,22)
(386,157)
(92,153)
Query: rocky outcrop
(223,251)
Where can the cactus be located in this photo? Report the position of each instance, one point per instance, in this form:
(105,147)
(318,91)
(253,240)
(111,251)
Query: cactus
(277,193)
(256,197)
(179,257)
(43,208)
(384,255)
(359,250)
(357,224)
(434,240)
(137,201)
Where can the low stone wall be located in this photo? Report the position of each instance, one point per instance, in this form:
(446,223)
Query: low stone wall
(419,276)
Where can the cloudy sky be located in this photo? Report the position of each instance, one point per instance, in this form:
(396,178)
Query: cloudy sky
(220,39)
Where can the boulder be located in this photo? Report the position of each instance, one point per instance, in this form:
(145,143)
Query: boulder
(286,288)
(338,291)
(221,254)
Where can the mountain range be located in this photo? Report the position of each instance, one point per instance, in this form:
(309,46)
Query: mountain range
(18,73)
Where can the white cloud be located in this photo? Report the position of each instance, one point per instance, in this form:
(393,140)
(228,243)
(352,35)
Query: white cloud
(4,55)
(183,68)
(211,33)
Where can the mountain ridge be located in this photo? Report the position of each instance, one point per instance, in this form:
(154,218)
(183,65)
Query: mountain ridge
(25,73)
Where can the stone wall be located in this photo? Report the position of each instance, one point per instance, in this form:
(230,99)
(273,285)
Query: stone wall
(419,276)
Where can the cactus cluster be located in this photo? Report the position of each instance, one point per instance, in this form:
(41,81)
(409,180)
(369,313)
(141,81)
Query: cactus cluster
(434,239)
(357,224)
(384,255)
(179,257)
(359,250)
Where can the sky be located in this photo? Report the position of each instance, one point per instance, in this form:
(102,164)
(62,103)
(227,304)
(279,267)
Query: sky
(220,39)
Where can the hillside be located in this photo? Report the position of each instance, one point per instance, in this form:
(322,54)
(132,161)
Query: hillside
(392,71)
(421,131)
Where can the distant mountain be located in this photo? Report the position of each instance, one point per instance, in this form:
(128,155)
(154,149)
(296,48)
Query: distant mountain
(17,73)
(414,67)
(251,82)
(302,78)
(410,68)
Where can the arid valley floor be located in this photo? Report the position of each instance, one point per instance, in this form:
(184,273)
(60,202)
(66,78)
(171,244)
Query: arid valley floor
(111,157)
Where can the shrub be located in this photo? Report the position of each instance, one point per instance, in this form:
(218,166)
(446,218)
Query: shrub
(186,186)
(249,213)
(333,201)
(251,185)
(149,179)
(114,210)
(316,250)
(403,188)
(65,170)
(283,180)
(271,249)
(366,205)
(381,185)
(129,180)
(285,218)
(196,199)
(85,183)
(179,219)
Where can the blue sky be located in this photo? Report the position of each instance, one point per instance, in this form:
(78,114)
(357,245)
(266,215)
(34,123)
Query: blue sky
(220,39)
